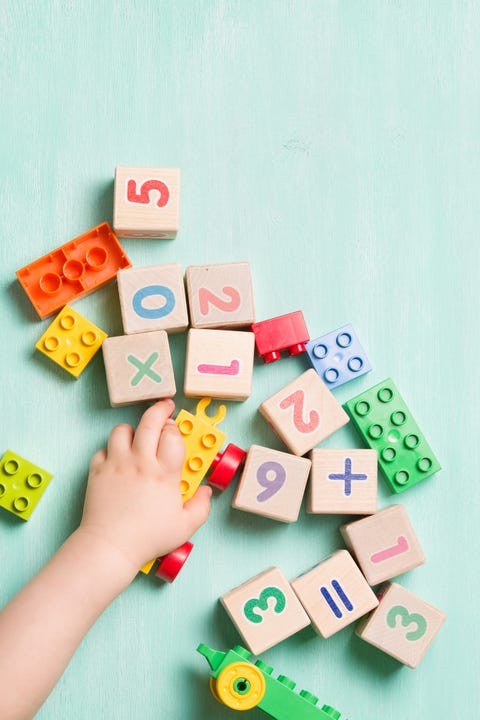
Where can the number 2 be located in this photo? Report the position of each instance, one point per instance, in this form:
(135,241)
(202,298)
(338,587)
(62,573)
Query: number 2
(206,297)
(271,485)
(262,604)
(406,620)
(297,399)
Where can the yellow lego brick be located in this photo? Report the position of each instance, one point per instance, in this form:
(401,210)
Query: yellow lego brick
(71,341)
(22,484)
(148,566)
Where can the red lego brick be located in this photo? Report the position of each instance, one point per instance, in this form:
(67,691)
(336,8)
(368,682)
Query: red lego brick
(171,564)
(225,466)
(286,332)
(80,266)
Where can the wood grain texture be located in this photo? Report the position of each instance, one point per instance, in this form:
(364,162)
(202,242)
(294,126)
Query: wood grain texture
(333,145)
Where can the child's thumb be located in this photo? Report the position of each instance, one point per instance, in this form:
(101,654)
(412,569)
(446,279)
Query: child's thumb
(198,507)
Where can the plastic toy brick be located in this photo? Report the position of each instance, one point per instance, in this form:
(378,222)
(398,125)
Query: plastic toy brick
(202,443)
(303,413)
(22,484)
(73,270)
(343,482)
(402,626)
(384,544)
(265,610)
(285,332)
(153,298)
(338,357)
(242,685)
(334,593)
(272,484)
(71,341)
(220,296)
(146,202)
(171,564)
(386,425)
(225,466)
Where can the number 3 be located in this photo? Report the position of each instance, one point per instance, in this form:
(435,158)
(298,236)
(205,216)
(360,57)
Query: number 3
(406,620)
(262,604)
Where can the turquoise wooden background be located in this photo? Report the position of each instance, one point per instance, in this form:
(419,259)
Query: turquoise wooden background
(335,145)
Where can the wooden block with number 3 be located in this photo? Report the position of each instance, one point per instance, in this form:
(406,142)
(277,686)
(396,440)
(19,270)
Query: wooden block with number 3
(343,482)
(265,610)
(384,544)
(219,364)
(303,413)
(220,295)
(272,484)
(403,625)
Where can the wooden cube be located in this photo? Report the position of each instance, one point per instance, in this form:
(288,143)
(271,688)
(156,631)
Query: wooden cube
(220,295)
(146,202)
(265,610)
(343,482)
(303,413)
(272,484)
(402,626)
(384,544)
(219,364)
(138,368)
(153,298)
(334,593)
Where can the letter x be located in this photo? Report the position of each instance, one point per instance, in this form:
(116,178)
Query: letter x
(347,477)
(144,369)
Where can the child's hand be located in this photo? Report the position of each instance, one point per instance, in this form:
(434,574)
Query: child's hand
(133,499)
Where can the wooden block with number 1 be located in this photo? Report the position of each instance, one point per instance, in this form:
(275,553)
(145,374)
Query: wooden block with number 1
(220,296)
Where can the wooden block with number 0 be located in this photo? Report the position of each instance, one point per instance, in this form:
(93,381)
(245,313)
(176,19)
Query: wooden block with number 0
(272,484)
(403,625)
(265,610)
(220,295)
(303,413)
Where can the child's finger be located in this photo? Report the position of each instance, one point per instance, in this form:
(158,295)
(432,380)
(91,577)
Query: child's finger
(197,508)
(171,449)
(98,459)
(120,439)
(147,435)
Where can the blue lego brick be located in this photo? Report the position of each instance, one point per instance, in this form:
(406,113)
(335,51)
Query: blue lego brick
(338,357)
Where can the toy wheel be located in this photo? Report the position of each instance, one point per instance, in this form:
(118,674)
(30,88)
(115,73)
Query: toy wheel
(171,564)
(225,466)
(240,686)
(213,688)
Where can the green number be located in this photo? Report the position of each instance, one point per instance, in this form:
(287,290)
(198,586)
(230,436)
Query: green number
(262,604)
(406,619)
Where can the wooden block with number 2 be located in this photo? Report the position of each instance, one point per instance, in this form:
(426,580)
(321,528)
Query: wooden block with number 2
(220,296)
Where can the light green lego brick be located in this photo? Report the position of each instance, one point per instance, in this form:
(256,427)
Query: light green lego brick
(22,484)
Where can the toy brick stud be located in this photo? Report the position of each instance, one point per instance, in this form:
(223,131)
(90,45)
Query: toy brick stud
(343,482)
(171,564)
(146,202)
(338,357)
(384,544)
(272,484)
(225,465)
(71,341)
(153,298)
(220,296)
(403,625)
(303,413)
(283,333)
(334,593)
(22,484)
(265,610)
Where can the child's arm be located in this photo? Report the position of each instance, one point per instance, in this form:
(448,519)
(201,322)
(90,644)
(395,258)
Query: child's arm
(133,513)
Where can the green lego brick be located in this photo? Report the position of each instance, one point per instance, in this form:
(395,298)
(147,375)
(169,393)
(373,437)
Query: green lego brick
(244,685)
(22,484)
(386,424)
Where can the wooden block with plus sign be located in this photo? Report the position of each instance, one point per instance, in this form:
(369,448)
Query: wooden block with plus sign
(219,364)
(334,593)
(303,413)
(384,544)
(220,295)
(153,298)
(138,368)
(403,625)
(343,482)
(146,202)
(272,484)
(265,610)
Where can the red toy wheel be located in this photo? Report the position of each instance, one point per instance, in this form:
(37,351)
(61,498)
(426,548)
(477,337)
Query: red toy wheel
(171,564)
(225,466)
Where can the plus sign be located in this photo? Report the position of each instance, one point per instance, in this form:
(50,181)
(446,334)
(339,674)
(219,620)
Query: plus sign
(347,477)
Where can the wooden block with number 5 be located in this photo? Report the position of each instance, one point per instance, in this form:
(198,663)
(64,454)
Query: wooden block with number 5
(220,295)
(265,610)
(272,484)
(303,413)
(219,364)
(403,625)
(384,544)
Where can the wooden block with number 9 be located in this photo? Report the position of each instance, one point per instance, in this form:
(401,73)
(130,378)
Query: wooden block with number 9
(265,610)
(272,484)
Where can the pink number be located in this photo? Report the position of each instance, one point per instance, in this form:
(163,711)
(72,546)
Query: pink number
(400,547)
(143,197)
(205,297)
(297,399)
(232,369)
